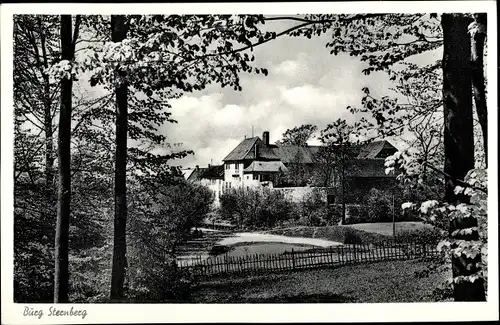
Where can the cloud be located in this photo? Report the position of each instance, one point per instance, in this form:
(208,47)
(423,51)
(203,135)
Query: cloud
(305,85)
(290,68)
(315,104)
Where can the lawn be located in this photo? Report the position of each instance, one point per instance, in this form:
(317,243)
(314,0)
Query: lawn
(339,234)
(243,249)
(392,281)
(385,228)
(363,233)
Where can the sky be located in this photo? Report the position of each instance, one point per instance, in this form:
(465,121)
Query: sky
(305,85)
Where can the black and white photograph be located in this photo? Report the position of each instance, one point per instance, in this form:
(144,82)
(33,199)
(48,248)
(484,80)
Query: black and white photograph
(321,155)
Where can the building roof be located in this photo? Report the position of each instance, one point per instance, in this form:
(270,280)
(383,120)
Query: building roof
(369,161)
(246,151)
(195,175)
(213,172)
(372,149)
(187,172)
(367,167)
(210,172)
(296,154)
(265,166)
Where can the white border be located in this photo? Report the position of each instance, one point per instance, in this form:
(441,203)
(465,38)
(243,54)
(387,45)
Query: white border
(113,313)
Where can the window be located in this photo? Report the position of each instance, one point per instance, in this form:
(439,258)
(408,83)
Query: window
(228,166)
(255,177)
(330,198)
(237,167)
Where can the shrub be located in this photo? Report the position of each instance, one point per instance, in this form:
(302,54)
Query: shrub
(352,236)
(34,231)
(161,217)
(342,234)
(379,205)
(255,208)
(426,235)
(157,279)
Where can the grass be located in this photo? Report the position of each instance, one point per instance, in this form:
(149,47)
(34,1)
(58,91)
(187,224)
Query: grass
(363,233)
(244,249)
(342,234)
(385,228)
(379,282)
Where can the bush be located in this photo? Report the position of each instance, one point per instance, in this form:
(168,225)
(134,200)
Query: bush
(376,206)
(379,205)
(34,232)
(161,217)
(341,234)
(425,235)
(256,208)
(352,236)
(159,280)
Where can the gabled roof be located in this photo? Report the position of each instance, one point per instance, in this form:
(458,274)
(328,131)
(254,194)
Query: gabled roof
(246,150)
(241,150)
(213,172)
(187,172)
(296,154)
(367,167)
(210,172)
(195,175)
(372,149)
(265,166)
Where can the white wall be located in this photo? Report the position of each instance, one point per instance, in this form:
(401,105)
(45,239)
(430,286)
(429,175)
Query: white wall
(215,186)
(296,194)
(234,169)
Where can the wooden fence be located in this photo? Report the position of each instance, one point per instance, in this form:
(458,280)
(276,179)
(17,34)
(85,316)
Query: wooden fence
(307,259)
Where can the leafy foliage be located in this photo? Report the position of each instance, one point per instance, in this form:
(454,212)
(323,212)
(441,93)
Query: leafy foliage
(298,136)
(161,218)
(254,208)
(441,214)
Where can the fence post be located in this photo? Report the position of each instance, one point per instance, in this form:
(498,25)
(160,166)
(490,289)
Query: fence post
(354,249)
(293,260)
(226,262)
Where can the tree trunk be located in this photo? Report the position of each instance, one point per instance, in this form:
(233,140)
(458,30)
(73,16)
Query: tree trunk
(458,139)
(118,34)
(61,276)
(478,81)
(343,193)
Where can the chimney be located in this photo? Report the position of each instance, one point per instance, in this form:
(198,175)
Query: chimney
(265,137)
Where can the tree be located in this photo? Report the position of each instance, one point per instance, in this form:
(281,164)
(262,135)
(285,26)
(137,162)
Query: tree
(35,97)
(36,88)
(477,29)
(118,34)
(295,139)
(336,137)
(298,136)
(161,57)
(255,208)
(61,276)
(160,220)
(459,142)
(393,38)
